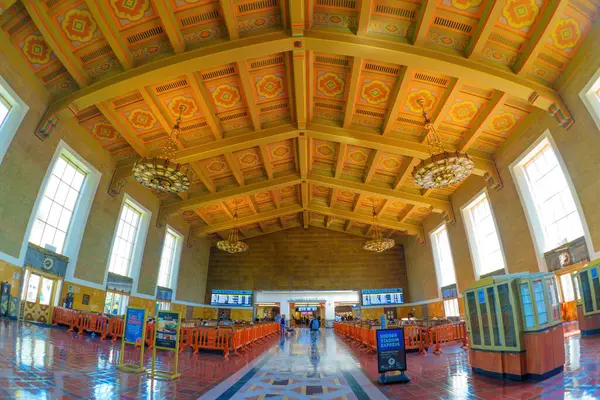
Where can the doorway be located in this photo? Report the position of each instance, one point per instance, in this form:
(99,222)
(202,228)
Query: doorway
(38,296)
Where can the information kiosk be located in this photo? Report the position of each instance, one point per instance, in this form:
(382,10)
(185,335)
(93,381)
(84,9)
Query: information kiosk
(588,312)
(515,326)
(391,356)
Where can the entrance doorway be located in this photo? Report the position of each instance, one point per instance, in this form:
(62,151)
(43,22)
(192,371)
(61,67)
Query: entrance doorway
(38,296)
(301,313)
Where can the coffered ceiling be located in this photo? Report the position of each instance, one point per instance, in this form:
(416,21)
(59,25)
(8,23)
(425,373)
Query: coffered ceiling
(298,112)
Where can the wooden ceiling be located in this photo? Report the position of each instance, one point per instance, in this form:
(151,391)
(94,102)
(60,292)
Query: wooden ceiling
(298,112)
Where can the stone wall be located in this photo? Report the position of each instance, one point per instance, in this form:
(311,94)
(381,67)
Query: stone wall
(306,259)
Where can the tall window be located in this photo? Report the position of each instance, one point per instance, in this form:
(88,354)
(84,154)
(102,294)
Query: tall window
(590,95)
(12,112)
(544,182)
(484,242)
(125,239)
(56,209)
(115,303)
(169,258)
(442,254)
(5,108)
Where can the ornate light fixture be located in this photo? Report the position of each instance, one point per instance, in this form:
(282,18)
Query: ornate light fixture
(442,168)
(378,243)
(160,173)
(233,244)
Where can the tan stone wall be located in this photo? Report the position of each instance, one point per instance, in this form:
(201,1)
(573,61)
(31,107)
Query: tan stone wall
(311,259)
(578,147)
(22,171)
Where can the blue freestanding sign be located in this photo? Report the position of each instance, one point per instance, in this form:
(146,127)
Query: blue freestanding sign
(134,325)
(391,355)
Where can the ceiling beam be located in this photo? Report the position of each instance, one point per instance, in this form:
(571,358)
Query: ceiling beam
(235,143)
(206,180)
(348,227)
(297,19)
(53,38)
(264,154)
(358,202)
(300,87)
(366,219)
(403,81)
(406,213)
(406,168)
(352,89)
(305,218)
(487,22)
(169,22)
(128,134)
(252,219)
(543,29)
(439,206)
(364,16)
(480,123)
(235,168)
(303,156)
(424,20)
(228,9)
(446,103)
(305,194)
(328,221)
(334,196)
(423,58)
(207,112)
(341,156)
(116,41)
(373,163)
(249,95)
(276,197)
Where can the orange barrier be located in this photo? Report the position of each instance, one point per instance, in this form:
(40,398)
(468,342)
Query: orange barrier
(115,328)
(415,338)
(449,333)
(64,316)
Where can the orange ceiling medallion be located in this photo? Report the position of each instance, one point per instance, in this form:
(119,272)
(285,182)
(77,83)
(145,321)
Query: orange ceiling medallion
(280,151)
(36,50)
(463,111)
(132,10)
(520,13)
(269,86)
(141,119)
(330,84)
(226,96)
(502,123)
(390,163)
(358,157)
(249,159)
(216,166)
(466,4)
(418,97)
(104,131)
(375,92)
(79,25)
(326,151)
(567,34)
(187,104)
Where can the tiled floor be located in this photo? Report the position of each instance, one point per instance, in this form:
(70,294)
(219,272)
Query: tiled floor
(50,363)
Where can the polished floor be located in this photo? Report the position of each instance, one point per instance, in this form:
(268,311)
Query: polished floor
(50,363)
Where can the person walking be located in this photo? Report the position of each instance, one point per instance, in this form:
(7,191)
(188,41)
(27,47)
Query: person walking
(314,328)
(282,322)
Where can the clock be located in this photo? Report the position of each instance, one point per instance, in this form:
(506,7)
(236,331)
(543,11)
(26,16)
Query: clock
(47,264)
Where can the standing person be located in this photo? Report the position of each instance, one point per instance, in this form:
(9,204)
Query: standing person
(314,328)
(282,322)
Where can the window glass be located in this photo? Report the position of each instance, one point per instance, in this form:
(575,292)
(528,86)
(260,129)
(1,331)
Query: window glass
(554,303)
(553,199)
(443,257)
(167,259)
(5,108)
(495,317)
(473,318)
(451,308)
(507,315)
(57,205)
(485,323)
(46,291)
(124,242)
(596,284)
(540,303)
(566,283)
(527,305)
(586,291)
(164,305)
(115,303)
(32,289)
(576,286)
(486,246)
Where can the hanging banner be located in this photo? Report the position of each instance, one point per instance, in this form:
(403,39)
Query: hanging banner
(391,351)
(134,325)
(167,330)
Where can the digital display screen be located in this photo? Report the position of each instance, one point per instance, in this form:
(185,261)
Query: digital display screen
(231,298)
(308,308)
(382,297)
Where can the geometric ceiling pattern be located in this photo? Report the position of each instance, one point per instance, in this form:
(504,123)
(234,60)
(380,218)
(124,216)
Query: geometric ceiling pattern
(299,112)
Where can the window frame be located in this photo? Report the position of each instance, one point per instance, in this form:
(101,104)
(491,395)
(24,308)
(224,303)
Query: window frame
(10,126)
(590,98)
(534,223)
(436,261)
(79,218)
(469,229)
(176,258)
(138,247)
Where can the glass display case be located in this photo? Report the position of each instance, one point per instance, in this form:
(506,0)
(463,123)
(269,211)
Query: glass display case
(515,329)
(588,310)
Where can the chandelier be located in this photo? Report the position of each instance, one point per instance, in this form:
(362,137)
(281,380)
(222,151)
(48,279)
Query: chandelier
(442,168)
(160,173)
(233,244)
(378,244)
